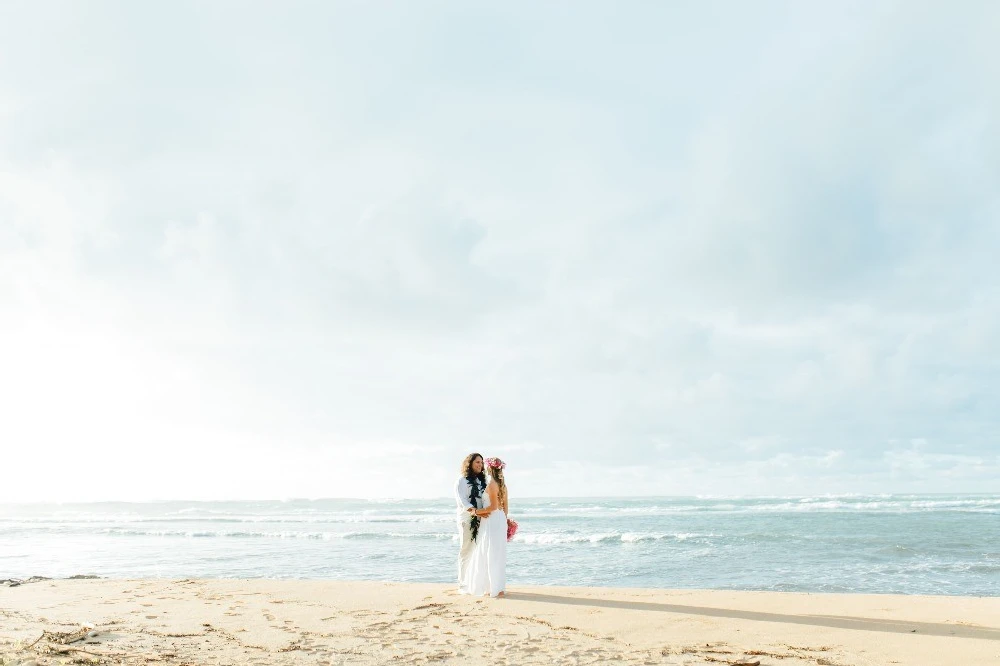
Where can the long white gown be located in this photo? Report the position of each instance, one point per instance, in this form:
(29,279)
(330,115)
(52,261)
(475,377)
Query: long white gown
(487,570)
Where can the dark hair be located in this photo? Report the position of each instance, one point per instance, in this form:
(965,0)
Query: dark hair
(467,472)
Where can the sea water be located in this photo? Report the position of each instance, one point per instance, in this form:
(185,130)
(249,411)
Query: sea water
(909,544)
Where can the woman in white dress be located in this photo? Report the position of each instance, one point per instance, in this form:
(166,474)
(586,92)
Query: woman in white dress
(487,572)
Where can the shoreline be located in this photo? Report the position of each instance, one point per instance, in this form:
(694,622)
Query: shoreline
(266,621)
(17,582)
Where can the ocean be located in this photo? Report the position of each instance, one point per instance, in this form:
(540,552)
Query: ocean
(905,544)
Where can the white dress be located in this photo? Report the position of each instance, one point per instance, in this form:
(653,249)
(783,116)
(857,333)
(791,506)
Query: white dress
(487,569)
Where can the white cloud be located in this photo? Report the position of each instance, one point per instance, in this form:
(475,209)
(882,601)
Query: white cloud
(586,244)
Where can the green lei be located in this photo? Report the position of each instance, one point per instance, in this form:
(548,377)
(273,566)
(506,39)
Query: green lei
(473,496)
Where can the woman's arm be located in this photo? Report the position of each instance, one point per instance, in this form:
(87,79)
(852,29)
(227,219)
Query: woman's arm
(506,501)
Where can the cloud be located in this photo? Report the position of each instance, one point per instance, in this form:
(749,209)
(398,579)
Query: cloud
(662,251)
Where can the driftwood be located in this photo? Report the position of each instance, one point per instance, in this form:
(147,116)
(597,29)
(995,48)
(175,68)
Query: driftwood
(60,643)
(105,655)
(68,649)
(14,582)
(78,635)
(733,663)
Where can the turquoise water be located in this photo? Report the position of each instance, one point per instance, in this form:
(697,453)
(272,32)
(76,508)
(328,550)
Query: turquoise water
(907,544)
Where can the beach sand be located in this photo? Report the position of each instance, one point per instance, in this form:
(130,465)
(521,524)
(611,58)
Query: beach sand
(327,622)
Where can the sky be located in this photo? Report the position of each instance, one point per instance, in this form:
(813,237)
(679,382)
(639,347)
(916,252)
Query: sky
(326,249)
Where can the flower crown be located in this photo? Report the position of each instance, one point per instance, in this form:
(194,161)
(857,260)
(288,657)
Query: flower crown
(495,463)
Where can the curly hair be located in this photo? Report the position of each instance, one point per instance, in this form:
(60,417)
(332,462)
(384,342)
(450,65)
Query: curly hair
(466,469)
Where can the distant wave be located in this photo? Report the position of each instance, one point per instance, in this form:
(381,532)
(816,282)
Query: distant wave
(440,512)
(333,519)
(532,539)
(240,534)
(527,538)
(607,537)
(798,505)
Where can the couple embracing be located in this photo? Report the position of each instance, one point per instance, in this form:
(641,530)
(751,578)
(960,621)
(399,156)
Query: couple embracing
(483,526)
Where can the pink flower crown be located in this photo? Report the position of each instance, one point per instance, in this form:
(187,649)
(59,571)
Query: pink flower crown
(495,463)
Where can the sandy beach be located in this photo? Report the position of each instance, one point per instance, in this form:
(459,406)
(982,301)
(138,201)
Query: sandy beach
(326,622)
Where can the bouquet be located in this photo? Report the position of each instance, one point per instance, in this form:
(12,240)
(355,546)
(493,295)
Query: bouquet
(511,529)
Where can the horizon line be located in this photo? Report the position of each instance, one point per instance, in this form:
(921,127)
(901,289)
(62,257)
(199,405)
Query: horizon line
(526,498)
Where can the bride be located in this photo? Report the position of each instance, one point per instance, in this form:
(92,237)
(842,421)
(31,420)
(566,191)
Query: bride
(487,572)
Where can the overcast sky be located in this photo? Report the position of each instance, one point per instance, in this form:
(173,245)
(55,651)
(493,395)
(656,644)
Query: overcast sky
(290,249)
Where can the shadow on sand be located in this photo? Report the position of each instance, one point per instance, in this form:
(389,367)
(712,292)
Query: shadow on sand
(834,621)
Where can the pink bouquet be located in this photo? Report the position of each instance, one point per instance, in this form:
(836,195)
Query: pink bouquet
(511,529)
